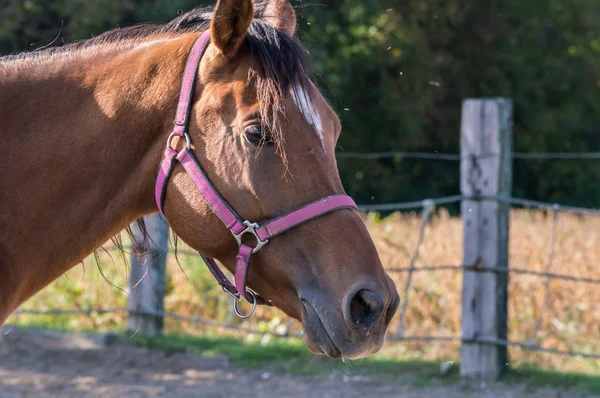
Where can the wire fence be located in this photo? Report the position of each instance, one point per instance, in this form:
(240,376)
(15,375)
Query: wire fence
(427,208)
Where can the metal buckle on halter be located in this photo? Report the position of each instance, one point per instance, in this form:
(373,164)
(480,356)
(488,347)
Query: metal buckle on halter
(235,296)
(251,228)
(188,141)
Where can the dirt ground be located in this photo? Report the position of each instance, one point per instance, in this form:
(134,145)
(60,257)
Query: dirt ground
(50,364)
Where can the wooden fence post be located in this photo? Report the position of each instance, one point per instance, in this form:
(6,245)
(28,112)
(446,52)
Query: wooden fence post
(486,171)
(147,280)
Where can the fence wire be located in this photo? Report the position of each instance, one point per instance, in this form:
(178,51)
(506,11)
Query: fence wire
(446,200)
(457,158)
(556,155)
(428,207)
(543,205)
(499,270)
(406,155)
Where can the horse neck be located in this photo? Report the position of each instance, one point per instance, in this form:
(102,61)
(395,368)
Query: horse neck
(82,137)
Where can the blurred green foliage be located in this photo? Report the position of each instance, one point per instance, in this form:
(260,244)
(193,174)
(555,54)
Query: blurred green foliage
(397,72)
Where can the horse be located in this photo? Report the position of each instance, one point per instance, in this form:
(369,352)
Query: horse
(84,127)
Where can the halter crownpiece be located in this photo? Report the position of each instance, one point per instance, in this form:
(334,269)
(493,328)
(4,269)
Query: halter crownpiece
(237,226)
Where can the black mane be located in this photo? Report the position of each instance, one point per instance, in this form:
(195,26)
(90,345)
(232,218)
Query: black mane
(282,58)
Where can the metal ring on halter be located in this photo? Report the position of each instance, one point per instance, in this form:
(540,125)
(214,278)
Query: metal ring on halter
(188,141)
(237,310)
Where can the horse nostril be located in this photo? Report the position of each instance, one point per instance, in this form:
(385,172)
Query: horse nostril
(365,308)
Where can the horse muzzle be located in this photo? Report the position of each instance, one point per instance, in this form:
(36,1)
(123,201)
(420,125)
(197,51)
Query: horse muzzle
(353,327)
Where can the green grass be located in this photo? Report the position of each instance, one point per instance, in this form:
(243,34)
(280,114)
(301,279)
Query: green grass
(286,356)
(292,357)
(534,377)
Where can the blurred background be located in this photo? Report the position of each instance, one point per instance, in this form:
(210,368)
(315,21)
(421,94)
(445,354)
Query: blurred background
(397,73)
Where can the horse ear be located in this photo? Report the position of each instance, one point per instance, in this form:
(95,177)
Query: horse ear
(230,23)
(281,15)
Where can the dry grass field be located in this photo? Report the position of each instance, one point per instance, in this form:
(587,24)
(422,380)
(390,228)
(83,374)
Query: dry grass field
(570,320)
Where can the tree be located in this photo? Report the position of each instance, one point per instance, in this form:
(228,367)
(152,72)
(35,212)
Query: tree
(397,72)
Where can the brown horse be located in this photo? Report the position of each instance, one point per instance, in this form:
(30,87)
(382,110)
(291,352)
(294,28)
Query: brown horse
(83,129)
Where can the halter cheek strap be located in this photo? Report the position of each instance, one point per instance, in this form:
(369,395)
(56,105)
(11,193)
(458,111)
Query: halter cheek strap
(237,226)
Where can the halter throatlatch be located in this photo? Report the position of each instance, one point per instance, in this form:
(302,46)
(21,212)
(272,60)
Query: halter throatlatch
(237,226)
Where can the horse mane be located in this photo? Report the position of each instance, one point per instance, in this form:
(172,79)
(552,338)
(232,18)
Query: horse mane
(282,64)
(282,58)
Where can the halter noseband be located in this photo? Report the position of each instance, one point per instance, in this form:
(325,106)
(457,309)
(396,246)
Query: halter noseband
(237,226)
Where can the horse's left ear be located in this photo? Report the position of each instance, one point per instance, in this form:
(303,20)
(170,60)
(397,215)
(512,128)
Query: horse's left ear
(281,15)
(230,23)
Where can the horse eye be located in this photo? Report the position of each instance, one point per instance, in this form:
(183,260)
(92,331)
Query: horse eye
(254,134)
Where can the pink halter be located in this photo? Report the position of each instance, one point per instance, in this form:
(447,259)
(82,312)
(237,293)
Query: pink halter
(237,226)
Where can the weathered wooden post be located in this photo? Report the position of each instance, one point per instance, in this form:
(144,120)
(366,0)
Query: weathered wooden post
(486,172)
(147,281)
